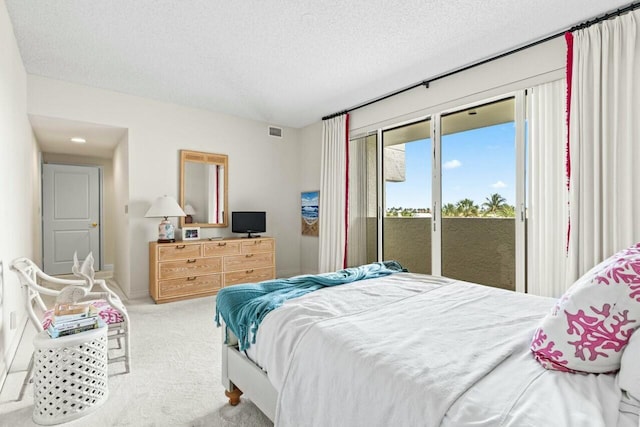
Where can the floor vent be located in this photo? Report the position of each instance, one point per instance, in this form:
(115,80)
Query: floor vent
(274,131)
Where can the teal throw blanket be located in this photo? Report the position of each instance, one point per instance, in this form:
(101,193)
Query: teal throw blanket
(244,306)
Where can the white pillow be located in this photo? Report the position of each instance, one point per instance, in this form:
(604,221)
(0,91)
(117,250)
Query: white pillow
(590,325)
(629,375)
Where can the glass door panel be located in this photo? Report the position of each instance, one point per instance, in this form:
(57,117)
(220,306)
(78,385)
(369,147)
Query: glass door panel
(406,172)
(478,173)
(362,233)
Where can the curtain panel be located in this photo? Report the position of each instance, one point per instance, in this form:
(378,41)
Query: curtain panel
(333,209)
(604,142)
(547,211)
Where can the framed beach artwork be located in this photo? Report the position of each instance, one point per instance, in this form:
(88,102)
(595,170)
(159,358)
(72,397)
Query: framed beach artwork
(309,204)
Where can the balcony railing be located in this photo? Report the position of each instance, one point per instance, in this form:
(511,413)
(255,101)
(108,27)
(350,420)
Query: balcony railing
(479,250)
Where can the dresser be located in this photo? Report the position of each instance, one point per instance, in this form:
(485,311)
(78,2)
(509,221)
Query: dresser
(191,269)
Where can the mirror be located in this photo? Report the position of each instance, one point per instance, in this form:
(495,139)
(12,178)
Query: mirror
(203,189)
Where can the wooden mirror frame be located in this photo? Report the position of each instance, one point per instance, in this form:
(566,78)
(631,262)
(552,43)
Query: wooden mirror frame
(207,158)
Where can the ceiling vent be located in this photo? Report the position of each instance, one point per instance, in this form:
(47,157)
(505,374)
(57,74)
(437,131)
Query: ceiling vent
(275,131)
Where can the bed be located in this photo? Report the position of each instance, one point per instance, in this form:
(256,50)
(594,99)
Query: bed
(412,349)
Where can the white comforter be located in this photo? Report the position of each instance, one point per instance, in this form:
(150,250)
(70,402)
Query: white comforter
(415,350)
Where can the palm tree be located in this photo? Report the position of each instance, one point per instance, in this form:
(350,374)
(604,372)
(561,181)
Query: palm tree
(507,211)
(449,210)
(392,211)
(494,204)
(466,207)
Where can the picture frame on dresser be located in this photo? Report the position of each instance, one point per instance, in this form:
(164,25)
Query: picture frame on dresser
(190,233)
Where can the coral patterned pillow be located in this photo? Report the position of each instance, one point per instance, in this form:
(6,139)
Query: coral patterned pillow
(590,325)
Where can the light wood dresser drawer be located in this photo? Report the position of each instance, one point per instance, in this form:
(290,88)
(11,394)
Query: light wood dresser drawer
(179,251)
(243,262)
(221,248)
(178,288)
(252,275)
(257,245)
(189,267)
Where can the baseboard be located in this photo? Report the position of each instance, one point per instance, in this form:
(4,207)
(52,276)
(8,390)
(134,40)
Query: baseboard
(139,294)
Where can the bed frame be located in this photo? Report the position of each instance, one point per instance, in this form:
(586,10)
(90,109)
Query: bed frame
(241,376)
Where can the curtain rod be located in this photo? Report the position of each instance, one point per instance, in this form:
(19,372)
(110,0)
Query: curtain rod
(425,83)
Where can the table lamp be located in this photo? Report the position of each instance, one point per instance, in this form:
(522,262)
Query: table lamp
(164,207)
(188,209)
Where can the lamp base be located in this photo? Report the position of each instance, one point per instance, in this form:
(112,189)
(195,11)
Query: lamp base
(166,231)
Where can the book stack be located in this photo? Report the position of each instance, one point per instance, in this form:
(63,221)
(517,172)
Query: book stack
(69,319)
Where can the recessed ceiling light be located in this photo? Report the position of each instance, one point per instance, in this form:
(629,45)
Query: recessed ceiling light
(78,140)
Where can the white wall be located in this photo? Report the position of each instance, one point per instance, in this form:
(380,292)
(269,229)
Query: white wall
(310,154)
(122,269)
(541,63)
(262,169)
(19,189)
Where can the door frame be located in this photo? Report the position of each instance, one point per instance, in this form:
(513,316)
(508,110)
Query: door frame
(519,117)
(100,206)
(519,97)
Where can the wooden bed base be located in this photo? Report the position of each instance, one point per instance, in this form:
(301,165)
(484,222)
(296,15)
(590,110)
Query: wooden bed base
(240,376)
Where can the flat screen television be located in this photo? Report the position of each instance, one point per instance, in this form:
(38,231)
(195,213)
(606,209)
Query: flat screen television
(249,222)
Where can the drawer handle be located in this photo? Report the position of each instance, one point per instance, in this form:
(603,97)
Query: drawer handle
(181,246)
(191,261)
(222,244)
(248,255)
(257,242)
(192,278)
(250,271)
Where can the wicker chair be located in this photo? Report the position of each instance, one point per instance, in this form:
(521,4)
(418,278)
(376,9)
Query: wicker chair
(110,307)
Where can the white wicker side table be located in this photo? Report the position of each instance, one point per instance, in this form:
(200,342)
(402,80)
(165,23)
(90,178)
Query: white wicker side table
(70,375)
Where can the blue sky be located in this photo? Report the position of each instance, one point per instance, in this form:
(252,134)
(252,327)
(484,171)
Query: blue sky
(476,163)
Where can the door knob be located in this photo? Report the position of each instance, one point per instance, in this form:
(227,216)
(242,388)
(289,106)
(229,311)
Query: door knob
(94,224)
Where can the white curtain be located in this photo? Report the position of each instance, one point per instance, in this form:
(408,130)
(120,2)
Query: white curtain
(547,211)
(604,128)
(357,228)
(333,194)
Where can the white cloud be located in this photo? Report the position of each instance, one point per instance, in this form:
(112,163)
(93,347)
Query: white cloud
(451,164)
(499,184)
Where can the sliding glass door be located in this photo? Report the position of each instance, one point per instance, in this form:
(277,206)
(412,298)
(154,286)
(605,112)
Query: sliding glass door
(406,172)
(450,194)
(478,194)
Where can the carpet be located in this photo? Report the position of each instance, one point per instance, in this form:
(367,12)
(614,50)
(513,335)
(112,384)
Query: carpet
(174,378)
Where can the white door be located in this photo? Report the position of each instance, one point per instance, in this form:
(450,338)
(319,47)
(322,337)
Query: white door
(71,213)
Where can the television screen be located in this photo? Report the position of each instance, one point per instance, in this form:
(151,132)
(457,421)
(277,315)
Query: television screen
(248,222)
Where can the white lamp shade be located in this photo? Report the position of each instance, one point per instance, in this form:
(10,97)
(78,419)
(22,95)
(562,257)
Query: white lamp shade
(163,207)
(189,210)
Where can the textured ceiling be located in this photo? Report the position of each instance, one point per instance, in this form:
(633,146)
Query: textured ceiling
(285,62)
